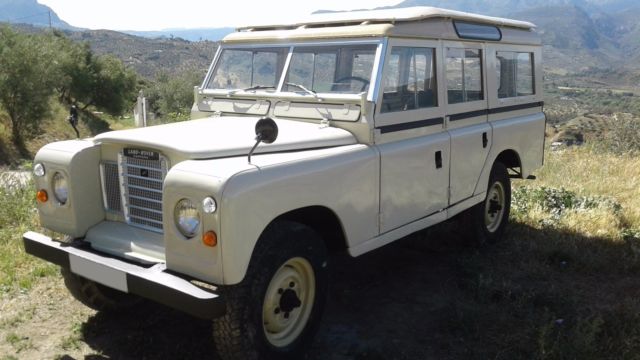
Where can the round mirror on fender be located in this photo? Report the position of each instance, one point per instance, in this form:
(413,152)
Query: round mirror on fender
(266,130)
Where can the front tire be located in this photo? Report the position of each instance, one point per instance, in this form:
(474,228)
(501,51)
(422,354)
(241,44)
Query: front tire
(490,217)
(275,312)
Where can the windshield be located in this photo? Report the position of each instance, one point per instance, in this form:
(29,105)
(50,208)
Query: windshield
(344,69)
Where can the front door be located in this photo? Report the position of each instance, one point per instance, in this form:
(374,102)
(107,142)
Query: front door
(410,134)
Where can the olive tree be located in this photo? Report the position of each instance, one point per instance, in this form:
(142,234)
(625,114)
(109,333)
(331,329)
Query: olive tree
(26,83)
(171,96)
(103,82)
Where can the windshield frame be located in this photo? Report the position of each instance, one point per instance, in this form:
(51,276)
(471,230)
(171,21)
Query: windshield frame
(369,94)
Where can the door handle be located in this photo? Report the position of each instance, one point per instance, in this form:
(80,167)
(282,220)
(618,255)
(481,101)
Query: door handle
(438,159)
(485,140)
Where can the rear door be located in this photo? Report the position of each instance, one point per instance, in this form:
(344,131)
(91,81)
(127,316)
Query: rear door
(466,115)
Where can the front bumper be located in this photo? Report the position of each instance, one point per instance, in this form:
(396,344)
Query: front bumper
(153,282)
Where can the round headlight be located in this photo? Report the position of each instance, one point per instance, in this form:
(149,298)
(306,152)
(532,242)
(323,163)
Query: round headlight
(38,170)
(209,205)
(60,188)
(187,218)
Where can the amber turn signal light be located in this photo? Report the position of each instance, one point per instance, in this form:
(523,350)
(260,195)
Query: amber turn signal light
(210,239)
(42,196)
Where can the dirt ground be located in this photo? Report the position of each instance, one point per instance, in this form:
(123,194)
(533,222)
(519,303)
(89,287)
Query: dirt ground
(388,304)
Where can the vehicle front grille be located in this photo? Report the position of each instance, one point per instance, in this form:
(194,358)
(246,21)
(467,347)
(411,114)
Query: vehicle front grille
(133,187)
(141,187)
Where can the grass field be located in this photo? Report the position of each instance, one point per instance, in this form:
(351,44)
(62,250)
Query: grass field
(565,283)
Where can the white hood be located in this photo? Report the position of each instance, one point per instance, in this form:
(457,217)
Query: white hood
(227,136)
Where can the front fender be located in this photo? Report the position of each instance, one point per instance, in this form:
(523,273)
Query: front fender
(343,179)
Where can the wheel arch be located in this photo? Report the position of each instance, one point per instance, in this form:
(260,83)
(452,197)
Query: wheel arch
(320,219)
(511,160)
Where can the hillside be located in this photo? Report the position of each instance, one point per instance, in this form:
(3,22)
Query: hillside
(211,34)
(148,56)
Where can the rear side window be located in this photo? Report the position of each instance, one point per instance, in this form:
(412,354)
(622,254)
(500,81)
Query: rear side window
(464,75)
(409,79)
(515,74)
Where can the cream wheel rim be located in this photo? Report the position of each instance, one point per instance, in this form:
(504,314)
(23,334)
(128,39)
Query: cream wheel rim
(494,207)
(288,302)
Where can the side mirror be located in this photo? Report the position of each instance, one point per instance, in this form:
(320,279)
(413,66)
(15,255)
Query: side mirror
(266,132)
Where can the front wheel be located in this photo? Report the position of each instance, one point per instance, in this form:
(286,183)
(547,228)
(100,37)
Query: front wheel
(274,313)
(490,217)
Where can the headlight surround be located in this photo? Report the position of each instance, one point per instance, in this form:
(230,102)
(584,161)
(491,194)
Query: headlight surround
(60,188)
(187,217)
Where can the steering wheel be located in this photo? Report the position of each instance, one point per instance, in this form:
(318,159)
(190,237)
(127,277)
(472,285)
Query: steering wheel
(365,82)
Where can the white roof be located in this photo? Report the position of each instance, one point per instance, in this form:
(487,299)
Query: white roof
(392,16)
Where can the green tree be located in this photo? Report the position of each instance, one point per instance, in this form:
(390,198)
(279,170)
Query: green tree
(171,96)
(103,82)
(114,88)
(26,82)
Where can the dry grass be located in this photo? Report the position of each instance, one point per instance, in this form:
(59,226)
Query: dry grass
(589,171)
(566,283)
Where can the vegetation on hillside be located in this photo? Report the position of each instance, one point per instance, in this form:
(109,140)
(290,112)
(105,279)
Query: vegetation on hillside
(42,73)
(36,69)
(171,96)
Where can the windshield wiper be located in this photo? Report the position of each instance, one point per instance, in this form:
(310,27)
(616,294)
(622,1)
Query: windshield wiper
(301,87)
(259,87)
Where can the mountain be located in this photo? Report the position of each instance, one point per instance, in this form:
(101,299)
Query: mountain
(504,7)
(30,12)
(212,34)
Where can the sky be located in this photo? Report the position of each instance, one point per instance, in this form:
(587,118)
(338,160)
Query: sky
(158,15)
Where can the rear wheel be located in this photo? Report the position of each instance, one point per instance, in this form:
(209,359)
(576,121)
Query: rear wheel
(490,217)
(275,312)
(97,296)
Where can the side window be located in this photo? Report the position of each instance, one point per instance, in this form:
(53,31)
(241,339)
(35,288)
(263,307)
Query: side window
(515,74)
(409,79)
(464,75)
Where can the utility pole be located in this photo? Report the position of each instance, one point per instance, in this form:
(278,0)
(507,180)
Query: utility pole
(50,20)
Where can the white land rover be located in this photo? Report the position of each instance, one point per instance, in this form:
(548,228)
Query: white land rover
(345,131)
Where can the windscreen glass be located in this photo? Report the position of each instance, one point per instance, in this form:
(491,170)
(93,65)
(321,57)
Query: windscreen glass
(342,69)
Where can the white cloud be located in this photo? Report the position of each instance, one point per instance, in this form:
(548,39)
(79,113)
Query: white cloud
(156,15)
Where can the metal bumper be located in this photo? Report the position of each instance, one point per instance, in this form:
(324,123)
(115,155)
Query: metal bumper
(149,282)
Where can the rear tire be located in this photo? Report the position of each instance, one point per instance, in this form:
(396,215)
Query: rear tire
(275,311)
(490,217)
(97,296)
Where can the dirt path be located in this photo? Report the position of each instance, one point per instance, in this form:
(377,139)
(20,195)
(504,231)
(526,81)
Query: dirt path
(13,178)
(388,304)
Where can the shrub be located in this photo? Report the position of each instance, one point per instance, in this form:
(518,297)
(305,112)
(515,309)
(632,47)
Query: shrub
(624,136)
